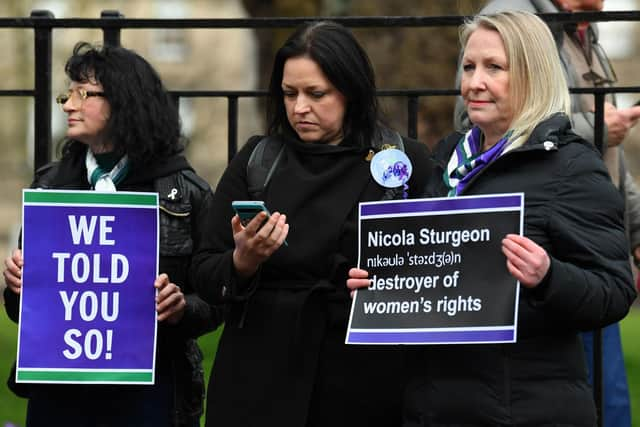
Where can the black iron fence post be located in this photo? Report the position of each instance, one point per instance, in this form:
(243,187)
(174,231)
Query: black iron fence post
(598,383)
(42,90)
(598,130)
(412,117)
(598,387)
(111,36)
(232,127)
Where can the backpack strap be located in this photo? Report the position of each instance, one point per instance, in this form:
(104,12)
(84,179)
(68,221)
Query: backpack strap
(262,164)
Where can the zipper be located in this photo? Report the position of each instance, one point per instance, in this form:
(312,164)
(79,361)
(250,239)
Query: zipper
(180,214)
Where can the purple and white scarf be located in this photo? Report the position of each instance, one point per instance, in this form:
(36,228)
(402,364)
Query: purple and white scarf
(467,160)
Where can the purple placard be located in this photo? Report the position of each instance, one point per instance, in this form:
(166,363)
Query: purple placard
(88,301)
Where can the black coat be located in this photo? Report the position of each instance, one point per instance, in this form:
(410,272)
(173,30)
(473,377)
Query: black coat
(178,358)
(573,211)
(282,360)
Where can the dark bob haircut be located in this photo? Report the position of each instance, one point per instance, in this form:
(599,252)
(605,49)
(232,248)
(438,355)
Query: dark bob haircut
(344,63)
(144,123)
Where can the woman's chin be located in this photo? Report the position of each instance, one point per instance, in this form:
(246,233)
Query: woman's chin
(74,136)
(315,139)
(307,136)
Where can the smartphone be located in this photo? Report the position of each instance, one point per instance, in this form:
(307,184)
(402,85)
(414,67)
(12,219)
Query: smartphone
(247,209)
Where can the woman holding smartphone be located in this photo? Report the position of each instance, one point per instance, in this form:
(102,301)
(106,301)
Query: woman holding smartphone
(282,358)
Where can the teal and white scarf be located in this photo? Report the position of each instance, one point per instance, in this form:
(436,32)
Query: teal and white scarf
(102,180)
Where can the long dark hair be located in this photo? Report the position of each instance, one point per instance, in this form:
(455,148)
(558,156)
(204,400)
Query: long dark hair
(347,66)
(144,122)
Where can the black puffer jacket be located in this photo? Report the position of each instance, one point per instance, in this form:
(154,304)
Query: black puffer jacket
(178,359)
(573,211)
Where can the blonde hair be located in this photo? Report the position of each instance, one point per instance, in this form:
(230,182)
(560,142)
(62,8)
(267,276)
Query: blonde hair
(537,83)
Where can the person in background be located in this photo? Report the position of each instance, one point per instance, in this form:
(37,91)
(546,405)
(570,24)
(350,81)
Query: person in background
(573,269)
(124,135)
(281,359)
(586,64)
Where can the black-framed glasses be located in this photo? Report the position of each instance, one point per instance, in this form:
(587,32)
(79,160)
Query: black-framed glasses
(596,79)
(81,93)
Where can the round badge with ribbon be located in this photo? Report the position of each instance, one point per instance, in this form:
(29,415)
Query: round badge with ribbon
(391,168)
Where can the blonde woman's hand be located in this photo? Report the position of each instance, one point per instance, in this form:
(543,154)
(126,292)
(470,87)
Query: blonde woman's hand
(526,260)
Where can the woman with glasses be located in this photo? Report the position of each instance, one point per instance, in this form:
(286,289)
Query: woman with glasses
(124,135)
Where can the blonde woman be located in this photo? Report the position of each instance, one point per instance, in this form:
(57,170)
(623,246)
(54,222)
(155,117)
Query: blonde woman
(571,261)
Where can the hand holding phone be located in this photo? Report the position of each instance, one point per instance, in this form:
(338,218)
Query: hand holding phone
(248,209)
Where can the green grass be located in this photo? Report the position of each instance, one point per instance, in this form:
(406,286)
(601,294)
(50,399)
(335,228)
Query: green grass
(209,345)
(630,331)
(12,409)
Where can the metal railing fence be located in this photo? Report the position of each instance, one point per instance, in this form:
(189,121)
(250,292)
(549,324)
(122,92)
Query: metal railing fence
(112,22)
